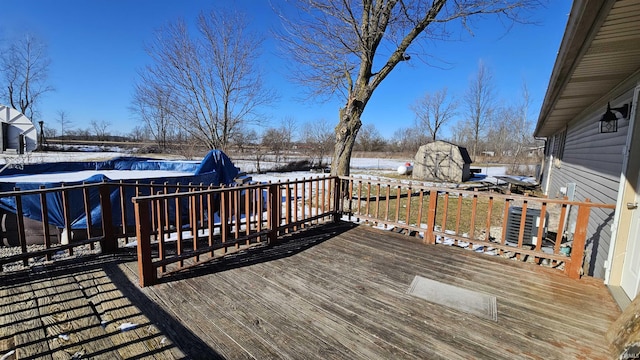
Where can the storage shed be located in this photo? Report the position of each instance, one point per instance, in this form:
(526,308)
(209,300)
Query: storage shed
(17,133)
(443,161)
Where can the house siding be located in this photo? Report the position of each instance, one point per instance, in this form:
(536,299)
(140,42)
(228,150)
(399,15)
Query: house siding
(593,161)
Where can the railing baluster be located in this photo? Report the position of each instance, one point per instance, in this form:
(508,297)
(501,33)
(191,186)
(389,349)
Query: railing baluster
(388,204)
(489,213)
(377,200)
(236,215)
(445,211)
(295,204)
(459,211)
(224,221)
(409,190)
(247,214)
(67,217)
(397,202)
(210,220)
(178,220)
(474,209)
(310,201)
(194,221)
(87,212)
(22,238)
(157,204)
(368,201)
(359,211)
(45,221)
(420,206)
(123,206)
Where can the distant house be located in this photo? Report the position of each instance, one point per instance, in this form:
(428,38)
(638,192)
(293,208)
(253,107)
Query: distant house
(17,133)
(442,161)
(597,77)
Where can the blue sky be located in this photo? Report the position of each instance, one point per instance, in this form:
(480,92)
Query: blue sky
(97,46)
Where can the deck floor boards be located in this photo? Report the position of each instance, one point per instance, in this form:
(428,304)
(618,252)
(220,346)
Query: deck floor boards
(74,312)
(332,292)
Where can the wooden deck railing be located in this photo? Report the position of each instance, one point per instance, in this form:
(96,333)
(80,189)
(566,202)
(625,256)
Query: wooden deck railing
(180,226)
(184,229)
(32,237)
(521,227)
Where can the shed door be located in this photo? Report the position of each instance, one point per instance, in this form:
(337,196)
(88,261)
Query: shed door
(630,281)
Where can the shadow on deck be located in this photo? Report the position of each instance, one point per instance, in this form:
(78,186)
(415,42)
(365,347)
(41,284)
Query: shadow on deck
(87,309)
(337,291)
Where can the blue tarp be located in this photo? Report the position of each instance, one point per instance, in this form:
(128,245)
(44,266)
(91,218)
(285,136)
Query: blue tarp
(216,168)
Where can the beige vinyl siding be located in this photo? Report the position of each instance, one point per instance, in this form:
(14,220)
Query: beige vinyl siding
(593,161)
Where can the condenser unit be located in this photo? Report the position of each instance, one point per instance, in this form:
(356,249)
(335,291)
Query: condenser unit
(531,225)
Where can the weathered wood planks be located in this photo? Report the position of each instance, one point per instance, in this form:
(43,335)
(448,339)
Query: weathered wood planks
(332,292)
(58,313)
(318,296)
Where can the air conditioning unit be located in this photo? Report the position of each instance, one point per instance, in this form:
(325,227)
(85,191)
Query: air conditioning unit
(531,225)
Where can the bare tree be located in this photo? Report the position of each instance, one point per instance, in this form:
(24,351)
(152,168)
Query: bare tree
(369,139)
(433,111)
(246,139)
(463,134)
(24,66)
(152,104)
(100,129)
(50,132)
(211,77)
(138,133)
(524,124)
(318,139)
(65,123)
(479,101)
(349,47)
(275,139)
(408,140)
(288,127)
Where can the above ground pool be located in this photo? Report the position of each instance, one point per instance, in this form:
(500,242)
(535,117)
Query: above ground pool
(215,169)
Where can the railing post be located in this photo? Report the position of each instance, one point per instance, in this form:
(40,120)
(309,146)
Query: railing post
(274,212)
(109,243)
(337,196)
(431,217)
(579,240)
(146,272)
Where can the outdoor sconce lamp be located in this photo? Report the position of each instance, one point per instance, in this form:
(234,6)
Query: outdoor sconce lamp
(609,121)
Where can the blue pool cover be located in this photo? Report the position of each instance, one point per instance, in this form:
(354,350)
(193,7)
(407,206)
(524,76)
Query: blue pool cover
(215,168)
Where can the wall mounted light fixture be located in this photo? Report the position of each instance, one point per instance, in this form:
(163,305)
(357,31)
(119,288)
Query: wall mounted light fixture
(609,121)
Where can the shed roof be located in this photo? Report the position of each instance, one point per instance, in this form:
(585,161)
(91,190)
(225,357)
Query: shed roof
(463,150)
(598,54)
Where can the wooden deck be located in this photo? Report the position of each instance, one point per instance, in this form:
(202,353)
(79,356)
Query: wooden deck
(334,292)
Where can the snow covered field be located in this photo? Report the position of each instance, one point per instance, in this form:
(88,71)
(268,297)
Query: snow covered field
(373,168)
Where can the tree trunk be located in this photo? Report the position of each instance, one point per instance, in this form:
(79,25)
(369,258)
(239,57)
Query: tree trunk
(346,132)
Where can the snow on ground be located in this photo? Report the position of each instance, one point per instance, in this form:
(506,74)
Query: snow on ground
(83,175)
(53,156)
(373,168)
